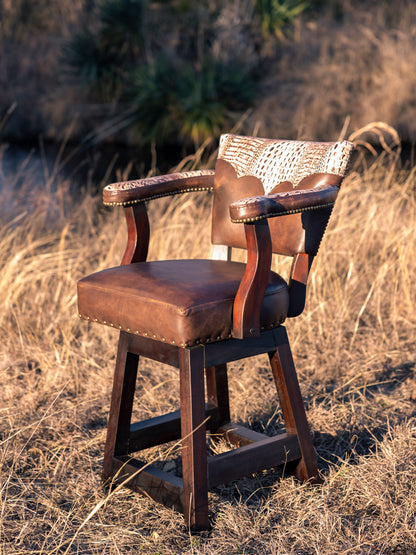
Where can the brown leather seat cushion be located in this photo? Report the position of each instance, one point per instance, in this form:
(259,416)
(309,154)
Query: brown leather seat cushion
(182,302)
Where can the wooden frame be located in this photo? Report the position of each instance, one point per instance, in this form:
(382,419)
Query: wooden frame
(253,452)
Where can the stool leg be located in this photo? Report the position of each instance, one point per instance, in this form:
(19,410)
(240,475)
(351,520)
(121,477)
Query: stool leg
(194,453)
(293,409)
(217,391)
(118,430)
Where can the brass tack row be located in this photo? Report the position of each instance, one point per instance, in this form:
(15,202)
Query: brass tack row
(160,195)
(286,213)
(163,339)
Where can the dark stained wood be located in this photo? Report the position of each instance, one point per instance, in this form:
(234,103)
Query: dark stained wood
(162,429)
(239,435)
(249,298)
(138,232)
(235,349)
(297,283)
(118,429)
(217,391)
(194,456)
(267,453)
(148,480)
(155,350)
(293,409)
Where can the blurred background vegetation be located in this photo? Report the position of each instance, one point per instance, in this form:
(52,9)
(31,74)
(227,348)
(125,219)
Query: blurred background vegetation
(164,73)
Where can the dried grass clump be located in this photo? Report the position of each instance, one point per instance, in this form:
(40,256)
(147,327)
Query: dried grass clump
(353,346)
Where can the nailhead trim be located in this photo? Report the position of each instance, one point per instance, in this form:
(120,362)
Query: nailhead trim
(160,195)
(286,213)
(172,342)
(163,339)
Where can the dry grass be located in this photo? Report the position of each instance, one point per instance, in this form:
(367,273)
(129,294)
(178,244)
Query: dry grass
(360,67)
(354,348)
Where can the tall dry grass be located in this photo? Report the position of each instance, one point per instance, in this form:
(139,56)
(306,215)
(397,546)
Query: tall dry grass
(354,348)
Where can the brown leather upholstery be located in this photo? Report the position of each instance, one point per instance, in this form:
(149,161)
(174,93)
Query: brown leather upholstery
(291,234)
(182,302)
(253,209)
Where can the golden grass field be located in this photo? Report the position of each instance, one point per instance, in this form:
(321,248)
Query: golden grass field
(354,347)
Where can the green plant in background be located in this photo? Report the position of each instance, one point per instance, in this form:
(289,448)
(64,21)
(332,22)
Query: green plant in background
(122,28)
(171,97)
(103,58)
(94,67)
(276,15)
(170,84)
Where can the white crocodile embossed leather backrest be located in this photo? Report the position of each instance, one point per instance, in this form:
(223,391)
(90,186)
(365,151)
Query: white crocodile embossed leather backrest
(251,166)
(274,161)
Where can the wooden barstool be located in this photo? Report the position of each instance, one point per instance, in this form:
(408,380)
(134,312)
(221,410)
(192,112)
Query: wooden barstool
(198,315)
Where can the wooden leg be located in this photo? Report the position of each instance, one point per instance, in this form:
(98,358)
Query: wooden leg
(118,430)
(217,391)
(293,409)
(194,455)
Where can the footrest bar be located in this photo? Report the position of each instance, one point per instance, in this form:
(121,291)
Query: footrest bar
(148,480)
(239,435)
(261,455)
(163,429)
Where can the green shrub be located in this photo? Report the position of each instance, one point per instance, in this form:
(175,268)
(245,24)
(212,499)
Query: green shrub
(275,15)
(171,96)
(170,81)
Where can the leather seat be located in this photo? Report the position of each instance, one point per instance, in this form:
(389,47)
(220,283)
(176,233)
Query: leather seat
(182,302)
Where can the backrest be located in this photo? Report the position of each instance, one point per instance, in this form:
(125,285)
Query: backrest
(250,166)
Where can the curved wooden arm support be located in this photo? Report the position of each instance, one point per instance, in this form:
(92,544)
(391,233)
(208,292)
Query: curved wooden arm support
(299,272)
(127,193)
(138,232)
(249,298)
(257,208)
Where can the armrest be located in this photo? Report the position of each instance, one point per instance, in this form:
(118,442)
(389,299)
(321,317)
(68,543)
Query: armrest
(127,193)
(249,297)
(252,209)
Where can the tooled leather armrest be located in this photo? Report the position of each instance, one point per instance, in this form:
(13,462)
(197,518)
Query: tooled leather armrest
(127,193)
(252,209)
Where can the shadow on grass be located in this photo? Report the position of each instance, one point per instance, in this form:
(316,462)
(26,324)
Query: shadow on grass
(348,444)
